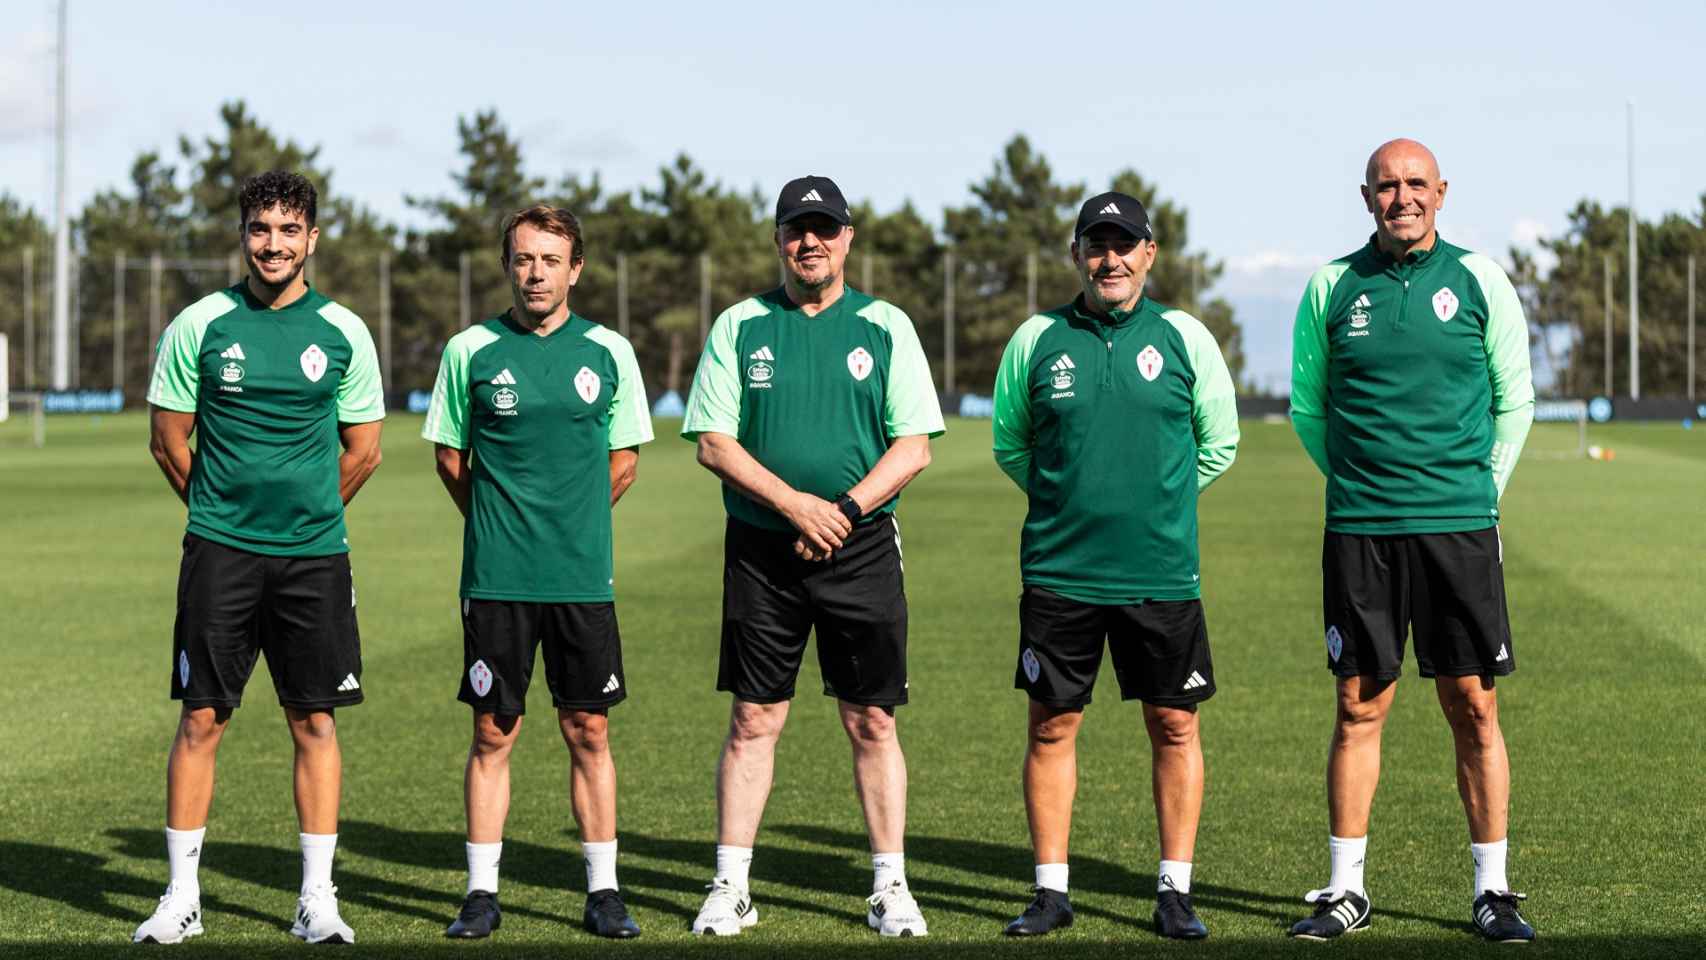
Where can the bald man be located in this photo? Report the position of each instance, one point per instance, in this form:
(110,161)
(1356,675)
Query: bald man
(1411,392)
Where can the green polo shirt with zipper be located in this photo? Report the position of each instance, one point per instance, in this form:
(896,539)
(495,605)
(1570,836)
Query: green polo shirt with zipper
(1411,388)
(268,388)
(816,399)
(1112,424)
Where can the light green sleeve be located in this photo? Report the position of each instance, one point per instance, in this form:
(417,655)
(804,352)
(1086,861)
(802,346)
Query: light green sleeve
(910,405)
(447,413)
(176,381)
(630,417)
(1309,363)
(361,397)
(1508,369)
(1214,400)
(713,403)
(1013,433)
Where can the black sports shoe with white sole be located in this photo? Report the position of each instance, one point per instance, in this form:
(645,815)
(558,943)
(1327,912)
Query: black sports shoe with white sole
(479,917)
(1051,910)
(1334,915)
(607,916)
(1496,916)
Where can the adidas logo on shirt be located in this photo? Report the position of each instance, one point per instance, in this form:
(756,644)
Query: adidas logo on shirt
(1064,363)
(349,684)
(612,685)
(504,379)
(1362,301)
(1195,681)
(812,197)
(1110,208)
(763,353)
(233,352)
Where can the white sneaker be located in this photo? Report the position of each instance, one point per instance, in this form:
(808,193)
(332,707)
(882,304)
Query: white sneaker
(317,919)
(727,911)
(893,912)
(178,916)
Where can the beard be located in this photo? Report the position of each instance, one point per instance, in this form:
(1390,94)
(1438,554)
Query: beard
(289,278)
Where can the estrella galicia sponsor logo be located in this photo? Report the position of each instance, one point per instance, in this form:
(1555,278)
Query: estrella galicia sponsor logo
(1360,316)
(1063,377)
(231,372)
(762,370)
(504,401)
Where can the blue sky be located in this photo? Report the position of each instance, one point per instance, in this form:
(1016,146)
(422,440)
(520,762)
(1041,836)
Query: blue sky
(1257,117)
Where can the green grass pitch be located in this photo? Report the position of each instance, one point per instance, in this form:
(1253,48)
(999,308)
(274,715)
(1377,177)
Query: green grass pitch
(1605,721)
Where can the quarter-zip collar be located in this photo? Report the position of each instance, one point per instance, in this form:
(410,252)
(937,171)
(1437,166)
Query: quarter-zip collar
(1414,260)
(1113,318)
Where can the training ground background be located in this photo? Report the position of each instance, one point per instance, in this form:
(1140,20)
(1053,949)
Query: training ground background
(1603,719)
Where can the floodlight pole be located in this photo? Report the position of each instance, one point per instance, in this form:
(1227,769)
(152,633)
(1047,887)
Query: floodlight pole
(1634,275)
(1691,328)
(1606,299)
(62,230)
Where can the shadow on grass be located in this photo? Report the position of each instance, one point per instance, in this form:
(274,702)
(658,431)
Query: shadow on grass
(81,880)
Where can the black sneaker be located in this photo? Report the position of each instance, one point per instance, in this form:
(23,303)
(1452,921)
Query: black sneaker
(1496,917)
(1174,917)
(1334,915)
(1051,910)
(607,916)
(479,917)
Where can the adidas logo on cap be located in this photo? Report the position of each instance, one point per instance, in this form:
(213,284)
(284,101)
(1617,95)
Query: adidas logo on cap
(812,197)
(504,379)
(1110,208)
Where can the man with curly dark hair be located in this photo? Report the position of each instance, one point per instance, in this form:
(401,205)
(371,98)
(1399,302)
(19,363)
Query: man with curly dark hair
(282,385)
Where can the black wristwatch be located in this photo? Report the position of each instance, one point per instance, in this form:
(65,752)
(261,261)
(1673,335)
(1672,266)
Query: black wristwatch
(849,508)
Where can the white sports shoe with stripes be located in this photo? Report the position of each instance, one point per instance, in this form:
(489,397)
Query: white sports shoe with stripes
(893,913)
(177,918)
(1337,912)
(317,919)
(727,911)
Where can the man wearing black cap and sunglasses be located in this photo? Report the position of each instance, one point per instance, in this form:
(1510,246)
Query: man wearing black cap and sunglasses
(814,405)
(1112,413)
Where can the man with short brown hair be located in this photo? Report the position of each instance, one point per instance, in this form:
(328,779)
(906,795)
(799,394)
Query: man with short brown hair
(537,417)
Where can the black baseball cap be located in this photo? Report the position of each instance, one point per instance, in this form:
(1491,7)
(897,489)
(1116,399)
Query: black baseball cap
(1119,209)
(805,195)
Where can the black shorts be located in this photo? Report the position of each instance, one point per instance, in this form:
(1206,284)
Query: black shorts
(1160,650)
(234,605)
(1446,588)
(856,600)
(583,654)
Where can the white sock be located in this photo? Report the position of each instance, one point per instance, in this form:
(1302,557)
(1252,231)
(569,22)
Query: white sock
(733,864)
(886,868)
(1052,876)
(1489,867)
(600,865)
(183,856)
(483,860)
(317,850)
(1348,854)
(1173,875)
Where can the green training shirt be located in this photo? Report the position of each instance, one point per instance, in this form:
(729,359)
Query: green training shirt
(817,400)
(1410,388)
(1111,426)
(268,389)
(540,414)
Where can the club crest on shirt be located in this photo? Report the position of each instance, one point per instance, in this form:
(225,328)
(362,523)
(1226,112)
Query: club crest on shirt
(313,363)
(1445,304)
(1149,362)
(859,363)
(587,384)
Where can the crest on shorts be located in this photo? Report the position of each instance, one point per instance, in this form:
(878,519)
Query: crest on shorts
(1335,643)
(1028,660)
(859,363)
(1445,304)
(183,670)
(587,384)
(1149,363)
(313,363)
(480,678)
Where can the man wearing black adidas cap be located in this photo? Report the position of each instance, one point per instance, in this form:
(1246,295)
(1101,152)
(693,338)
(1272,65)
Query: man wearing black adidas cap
(813,404)
(1112,413)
